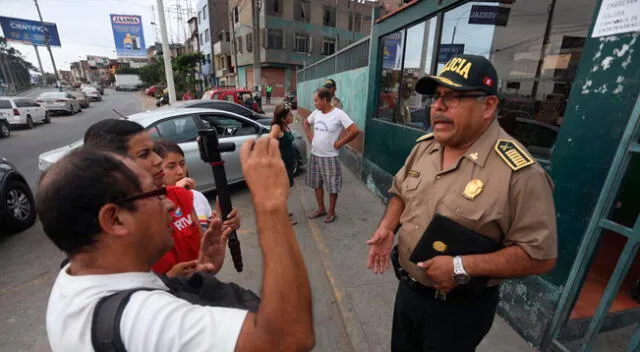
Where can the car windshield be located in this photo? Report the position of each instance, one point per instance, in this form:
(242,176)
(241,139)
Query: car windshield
(52,95)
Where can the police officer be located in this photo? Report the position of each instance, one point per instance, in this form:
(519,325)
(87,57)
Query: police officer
(330,84)
(471,171)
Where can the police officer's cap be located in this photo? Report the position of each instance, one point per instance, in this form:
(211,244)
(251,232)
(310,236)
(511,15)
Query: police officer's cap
(462,73)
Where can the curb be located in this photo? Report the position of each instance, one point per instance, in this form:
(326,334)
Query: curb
(356,335)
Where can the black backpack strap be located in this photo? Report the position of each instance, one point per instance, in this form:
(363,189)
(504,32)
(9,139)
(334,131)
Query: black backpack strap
(105,323)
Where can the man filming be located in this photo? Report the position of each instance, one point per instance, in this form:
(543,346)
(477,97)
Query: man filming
(114,224)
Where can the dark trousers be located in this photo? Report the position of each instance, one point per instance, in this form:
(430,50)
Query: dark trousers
(423,323)
(268,98)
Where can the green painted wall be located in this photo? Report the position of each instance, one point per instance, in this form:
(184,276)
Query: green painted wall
(601,101)
(352,91)
(242,76)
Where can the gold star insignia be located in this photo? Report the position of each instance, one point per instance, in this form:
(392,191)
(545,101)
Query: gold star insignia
(473,156)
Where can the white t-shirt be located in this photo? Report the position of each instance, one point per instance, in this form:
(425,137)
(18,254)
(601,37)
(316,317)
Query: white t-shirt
(326,130)
(153,321)
(202,207)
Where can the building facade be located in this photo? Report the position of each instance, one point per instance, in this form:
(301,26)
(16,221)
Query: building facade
(293,34)
(569,92)
(214,40)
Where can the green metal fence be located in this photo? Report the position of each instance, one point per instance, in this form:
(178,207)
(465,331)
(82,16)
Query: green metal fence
(354,56)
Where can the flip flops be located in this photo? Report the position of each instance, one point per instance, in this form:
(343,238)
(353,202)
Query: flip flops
(316,214)
(330,218)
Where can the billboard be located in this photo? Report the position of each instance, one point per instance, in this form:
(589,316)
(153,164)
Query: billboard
(492,15)
(29,32)
(128,35)
(447,51)
(97,61)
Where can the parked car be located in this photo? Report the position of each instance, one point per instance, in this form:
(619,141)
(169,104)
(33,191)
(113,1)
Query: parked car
(17,204)
(155,90)
(82,98)
(292,99)
(59,102)
(92,93)
(99,87)
(538,137)
(235,95)
(181,126)
(23,111)
(5,130)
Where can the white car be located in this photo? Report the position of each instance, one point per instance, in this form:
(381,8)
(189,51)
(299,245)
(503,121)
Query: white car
(23,111)
(59,101)
(181,126)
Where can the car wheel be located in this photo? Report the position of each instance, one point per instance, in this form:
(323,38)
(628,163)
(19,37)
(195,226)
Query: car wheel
(29,122)
(18,207)
(5,131)
(47,117)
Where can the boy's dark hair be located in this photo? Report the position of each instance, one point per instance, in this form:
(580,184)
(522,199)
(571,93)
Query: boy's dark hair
(164,146)
(111,134)
(324,93)
(72,191)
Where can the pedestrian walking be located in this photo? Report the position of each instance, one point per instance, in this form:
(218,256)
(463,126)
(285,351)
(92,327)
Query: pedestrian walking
(330,84)
(269,89)
(326,139)
(467,181)
(280,130)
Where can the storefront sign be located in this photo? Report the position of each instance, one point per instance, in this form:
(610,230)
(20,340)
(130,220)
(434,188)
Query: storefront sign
(617,16)
(447,51)
(494,15)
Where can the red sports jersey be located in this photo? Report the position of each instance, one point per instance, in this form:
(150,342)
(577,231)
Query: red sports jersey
(186,231)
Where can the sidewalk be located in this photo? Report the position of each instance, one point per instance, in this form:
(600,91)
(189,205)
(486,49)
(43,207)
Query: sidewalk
(353,308)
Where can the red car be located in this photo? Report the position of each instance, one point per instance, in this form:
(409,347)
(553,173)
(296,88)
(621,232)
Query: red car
(234,95)
(154,91)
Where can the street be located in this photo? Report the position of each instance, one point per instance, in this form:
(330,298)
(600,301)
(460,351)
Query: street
(32,261)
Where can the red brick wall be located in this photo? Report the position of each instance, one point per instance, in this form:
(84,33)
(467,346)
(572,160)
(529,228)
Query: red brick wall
(272,75)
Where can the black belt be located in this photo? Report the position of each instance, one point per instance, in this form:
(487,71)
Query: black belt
(458,293)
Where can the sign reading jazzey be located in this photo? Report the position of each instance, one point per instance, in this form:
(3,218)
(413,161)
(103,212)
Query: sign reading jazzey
(128,35)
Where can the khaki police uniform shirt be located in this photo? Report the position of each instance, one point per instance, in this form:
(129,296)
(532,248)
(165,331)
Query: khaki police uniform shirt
(335,101)
(514,207)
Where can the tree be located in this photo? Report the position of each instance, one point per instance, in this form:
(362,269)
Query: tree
(153,73)
(18,67)
(184,69)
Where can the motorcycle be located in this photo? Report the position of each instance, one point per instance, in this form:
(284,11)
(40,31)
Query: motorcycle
(162,100)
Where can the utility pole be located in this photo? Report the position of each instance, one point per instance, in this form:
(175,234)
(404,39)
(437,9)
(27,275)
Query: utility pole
(256,43)
(234,45)
(46,41)
(42,83)
(166,54)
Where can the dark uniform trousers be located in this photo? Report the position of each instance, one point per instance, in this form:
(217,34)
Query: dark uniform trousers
(422,322)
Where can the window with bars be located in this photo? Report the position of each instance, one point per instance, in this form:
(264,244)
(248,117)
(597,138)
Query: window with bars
(328,46)
(301,43)
(249,42)
(207,36)
(274,7)
(204,12)
(240,50)
(236,15)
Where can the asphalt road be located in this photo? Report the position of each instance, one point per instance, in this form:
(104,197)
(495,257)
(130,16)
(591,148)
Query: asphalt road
(30,261)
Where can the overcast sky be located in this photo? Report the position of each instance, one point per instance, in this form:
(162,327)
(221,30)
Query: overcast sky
(85,28)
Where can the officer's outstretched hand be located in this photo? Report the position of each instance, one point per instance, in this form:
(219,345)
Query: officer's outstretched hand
(379,250)
(439,269)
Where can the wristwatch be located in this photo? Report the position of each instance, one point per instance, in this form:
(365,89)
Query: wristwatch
(460,276)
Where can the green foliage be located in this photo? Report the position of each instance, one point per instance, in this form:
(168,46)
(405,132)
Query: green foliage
(128,71)
(184,72)
(18,66)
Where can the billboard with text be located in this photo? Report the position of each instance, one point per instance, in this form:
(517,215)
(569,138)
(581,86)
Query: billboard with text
(128,35)
(29,32)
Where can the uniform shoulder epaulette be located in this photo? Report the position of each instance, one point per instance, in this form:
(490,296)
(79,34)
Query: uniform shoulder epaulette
(426,137)
(513,155)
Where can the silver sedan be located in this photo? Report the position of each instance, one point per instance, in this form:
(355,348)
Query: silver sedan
(181,126)
(59,101)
